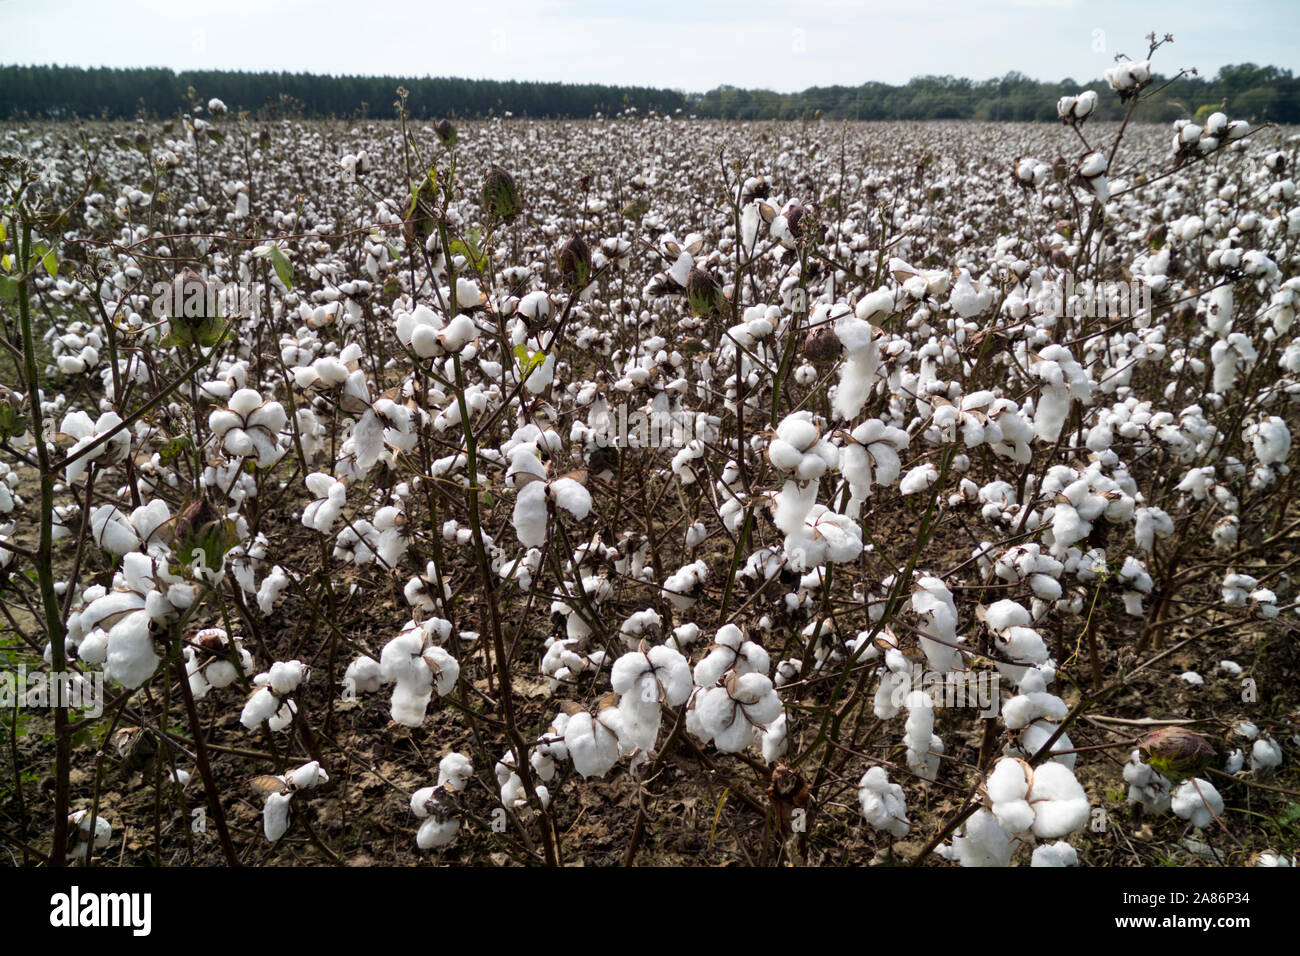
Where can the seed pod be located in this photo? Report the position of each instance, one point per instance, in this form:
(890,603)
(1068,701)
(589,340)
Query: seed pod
(190,297)
(821,345)
(575,261)
(800,220)
(1177,753)
(500,194)
(705,297)
(446,132)
(788,793)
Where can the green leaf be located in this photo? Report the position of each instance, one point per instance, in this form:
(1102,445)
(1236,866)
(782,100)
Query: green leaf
(470,249)
(279,261)
(3,232)
(51,263)
(528,360)
(8,287)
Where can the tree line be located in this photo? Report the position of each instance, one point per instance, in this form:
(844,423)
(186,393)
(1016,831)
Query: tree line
(54,92)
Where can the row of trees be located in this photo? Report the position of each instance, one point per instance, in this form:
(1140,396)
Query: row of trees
(62,92)
(1245,90)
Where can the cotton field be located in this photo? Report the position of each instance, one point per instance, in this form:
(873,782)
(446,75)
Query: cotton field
(651,490)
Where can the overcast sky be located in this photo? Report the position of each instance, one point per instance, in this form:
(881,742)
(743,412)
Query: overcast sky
(693,45)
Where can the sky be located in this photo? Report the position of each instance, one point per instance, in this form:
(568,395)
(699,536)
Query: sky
(690,45)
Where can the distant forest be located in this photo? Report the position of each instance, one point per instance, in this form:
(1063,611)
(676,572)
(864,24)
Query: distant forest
(52,92)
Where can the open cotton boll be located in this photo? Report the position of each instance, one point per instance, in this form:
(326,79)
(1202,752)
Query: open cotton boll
(364,676)
(1059,802)
(571,496)
(1265,754)
(933,603)
(592,742)
(261,706)
(437,832)
(918,479)
(862,354)
(883,804)
(982,842)
(1057,854)
(733,715)
(307,776)
(275,815)
(1197,802)
(1145,785)
(455,771)
(1022,710)
(1008,787)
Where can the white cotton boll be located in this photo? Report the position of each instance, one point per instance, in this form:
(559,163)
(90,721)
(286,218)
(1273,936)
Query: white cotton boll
(982,842)
(1057,854)
(1197,802)
(436,832)
(1060,804)
(444,668)
(285,676)
(363,676)
(933,602)
(775,741)
(131,659)
(542,376)
(1271,440)
(572,497)
(410,703)
(261,706)
(592,744)
(455,771)
(530,517)
(306,776)
(1035,736)
(458,333)
(883,804)
(1236,760)
(1146,786)
(1004,614)
(1007,787)
(793,503)
(275,815)
(918,479)
(1193,678)
(1022,710)
(1265,754)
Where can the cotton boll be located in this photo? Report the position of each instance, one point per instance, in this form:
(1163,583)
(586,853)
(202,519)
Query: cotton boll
(275,815)
(883,804)
(918,479)
(1146,786)
(1059,854)
(437,832)
(1059,802)
(982,842)
(1197,802)
(592,742)
(1265,754)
